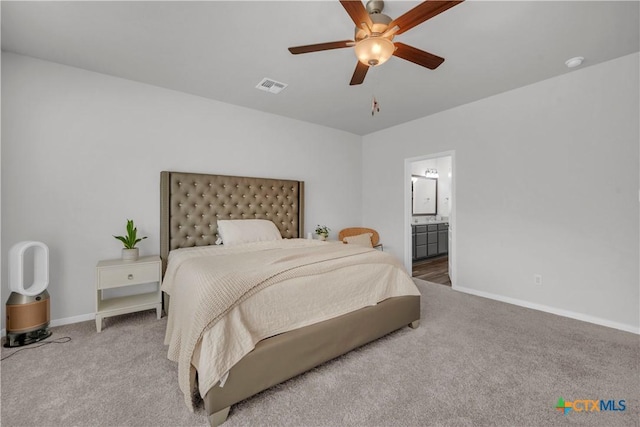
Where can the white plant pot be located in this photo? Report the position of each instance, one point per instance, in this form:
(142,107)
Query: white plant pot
(322,237)
(130,254)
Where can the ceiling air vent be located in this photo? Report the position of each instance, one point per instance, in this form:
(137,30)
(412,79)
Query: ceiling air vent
(272,86)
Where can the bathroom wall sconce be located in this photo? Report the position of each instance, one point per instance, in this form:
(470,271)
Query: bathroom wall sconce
(431,173)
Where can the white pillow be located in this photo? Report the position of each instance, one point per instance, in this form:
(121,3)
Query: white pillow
(237,231)
(360,239)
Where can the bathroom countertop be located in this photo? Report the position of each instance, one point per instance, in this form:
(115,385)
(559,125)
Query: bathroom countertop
(442,221)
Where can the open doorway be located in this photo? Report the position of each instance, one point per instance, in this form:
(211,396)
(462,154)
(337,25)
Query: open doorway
(430,217)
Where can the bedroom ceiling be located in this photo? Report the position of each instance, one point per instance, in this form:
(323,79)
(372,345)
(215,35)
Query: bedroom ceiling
(223,49)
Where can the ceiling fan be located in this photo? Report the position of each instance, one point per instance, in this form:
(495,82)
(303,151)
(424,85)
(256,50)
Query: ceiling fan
(374,35)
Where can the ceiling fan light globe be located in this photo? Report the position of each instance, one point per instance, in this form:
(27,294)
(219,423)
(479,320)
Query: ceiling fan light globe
(374,51)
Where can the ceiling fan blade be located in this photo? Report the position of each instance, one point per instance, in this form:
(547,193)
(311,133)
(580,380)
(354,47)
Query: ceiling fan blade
(417,56)
(357,12)
(359,74)
(321,46)
(425,10)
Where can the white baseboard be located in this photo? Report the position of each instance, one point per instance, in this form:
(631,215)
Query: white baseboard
(74,319)
(552,310)
(65,321)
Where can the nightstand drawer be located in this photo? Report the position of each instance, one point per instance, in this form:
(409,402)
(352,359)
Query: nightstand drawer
(128,275)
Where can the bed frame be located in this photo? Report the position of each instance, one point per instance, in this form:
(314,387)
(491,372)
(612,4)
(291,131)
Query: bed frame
(191,204)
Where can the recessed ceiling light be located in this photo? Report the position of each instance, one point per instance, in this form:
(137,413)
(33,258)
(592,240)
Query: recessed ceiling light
(574,62)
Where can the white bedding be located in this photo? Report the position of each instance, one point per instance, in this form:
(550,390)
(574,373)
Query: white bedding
(289,304)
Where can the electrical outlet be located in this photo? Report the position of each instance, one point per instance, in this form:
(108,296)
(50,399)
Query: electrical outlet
(537,279)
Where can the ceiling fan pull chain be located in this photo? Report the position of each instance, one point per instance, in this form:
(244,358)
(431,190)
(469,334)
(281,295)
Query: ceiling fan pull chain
(375,105)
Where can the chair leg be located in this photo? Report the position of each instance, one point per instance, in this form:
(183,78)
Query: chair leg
(414,324)
(219,417)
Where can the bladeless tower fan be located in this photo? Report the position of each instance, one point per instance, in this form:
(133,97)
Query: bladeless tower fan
(28,308)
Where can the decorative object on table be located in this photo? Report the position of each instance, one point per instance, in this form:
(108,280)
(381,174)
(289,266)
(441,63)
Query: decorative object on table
(28,308)
(322,231)
(130,252)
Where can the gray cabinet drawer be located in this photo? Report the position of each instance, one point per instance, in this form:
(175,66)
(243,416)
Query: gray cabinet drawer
(432,249)
(421,251)
(432,227)
(432,237)
(444,226)
(443,242)
(421,239)
(420,228)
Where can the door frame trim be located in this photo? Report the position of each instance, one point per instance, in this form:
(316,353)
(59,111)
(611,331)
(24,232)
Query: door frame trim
(452,216)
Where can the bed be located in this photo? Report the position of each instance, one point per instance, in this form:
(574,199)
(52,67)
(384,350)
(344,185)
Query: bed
(191,206)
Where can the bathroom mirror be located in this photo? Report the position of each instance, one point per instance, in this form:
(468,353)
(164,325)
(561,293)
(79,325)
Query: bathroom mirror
(424,195)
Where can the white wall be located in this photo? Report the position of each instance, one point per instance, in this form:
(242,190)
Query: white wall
(531,196)
(82,152)
(546,183)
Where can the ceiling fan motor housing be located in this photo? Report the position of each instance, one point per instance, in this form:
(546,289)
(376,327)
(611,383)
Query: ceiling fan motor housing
(374,6)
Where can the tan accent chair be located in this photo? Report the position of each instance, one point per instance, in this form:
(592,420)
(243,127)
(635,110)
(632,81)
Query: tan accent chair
(355,231)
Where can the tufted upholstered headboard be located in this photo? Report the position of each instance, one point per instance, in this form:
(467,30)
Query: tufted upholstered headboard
(192,203)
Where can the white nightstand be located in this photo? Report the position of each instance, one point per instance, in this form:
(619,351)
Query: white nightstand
(116,274)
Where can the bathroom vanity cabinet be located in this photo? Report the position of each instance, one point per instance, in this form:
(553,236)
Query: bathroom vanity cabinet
(429,240)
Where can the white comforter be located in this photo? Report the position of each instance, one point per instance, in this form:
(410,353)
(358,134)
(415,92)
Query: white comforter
(287,305)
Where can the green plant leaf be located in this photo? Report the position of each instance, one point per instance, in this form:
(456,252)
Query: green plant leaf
(131,239)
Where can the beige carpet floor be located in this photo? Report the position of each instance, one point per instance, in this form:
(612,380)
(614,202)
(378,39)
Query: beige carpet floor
(473,361)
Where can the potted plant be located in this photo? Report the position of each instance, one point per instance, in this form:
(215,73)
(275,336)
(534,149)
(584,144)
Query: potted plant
(130,252)
(322,231)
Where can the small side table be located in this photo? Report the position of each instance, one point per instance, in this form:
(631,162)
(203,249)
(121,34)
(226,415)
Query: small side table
(116,273)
